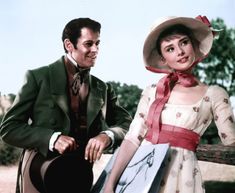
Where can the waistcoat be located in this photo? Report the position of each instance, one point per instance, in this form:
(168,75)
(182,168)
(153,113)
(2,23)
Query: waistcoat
(78,107)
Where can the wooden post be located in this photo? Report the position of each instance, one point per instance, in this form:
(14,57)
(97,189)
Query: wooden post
(216,153)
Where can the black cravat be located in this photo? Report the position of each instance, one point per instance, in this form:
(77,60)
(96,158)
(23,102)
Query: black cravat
(80,80)
(76,83)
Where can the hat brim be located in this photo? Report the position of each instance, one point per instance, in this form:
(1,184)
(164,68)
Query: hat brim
(201,32)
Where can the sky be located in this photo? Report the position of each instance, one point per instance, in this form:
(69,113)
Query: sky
(31,32)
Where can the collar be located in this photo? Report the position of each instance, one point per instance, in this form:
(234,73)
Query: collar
(72,60)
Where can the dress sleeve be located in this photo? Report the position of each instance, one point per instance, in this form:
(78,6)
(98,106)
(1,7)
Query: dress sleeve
(223,115)
(138,128)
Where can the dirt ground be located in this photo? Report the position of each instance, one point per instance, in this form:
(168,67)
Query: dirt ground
(210,172)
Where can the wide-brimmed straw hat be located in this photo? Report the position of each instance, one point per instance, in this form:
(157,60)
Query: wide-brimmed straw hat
(201,32)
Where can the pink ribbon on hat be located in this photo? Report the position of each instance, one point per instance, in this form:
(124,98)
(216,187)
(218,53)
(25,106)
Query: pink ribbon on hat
(163,91)
(206,21)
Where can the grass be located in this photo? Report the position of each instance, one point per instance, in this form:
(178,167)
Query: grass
(219,187)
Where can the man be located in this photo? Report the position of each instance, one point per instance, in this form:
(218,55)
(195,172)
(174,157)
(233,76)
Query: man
(64,117)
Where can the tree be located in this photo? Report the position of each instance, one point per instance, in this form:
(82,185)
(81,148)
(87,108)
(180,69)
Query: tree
(128,95)
(219,67)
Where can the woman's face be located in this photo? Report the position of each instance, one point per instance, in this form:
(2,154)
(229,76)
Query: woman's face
(177,52)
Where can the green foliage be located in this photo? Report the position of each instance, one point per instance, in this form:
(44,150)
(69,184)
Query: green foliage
(219,186)
(219,67)
(211,135)
(8,154)
(128,96)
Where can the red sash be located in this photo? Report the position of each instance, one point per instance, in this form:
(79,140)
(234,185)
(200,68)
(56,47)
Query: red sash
(179,137)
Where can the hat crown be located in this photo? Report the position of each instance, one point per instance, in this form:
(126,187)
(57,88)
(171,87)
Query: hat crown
(161,20)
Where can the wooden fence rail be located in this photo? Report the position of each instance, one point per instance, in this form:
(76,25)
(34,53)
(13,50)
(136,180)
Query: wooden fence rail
(216,153)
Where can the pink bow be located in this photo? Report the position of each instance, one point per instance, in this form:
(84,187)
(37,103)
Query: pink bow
(205,20)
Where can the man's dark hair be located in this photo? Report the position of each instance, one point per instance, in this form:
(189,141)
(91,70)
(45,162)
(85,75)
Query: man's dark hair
(72,30)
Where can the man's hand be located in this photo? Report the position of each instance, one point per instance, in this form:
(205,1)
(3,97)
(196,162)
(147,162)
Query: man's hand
(96,146)
(65,144)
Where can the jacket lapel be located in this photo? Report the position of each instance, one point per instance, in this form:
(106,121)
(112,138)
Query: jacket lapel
(96,99)
(58,81)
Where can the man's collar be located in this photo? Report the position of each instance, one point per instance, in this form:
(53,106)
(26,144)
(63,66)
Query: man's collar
(72,60)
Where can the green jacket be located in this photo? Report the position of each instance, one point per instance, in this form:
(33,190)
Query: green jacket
(41,108)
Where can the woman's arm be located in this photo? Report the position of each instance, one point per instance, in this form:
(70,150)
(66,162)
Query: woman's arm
(132,140)
(125,153)
(223,116)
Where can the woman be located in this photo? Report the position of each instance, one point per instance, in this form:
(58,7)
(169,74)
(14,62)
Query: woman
(179,109)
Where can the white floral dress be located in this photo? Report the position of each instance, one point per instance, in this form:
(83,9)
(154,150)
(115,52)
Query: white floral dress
(183,173)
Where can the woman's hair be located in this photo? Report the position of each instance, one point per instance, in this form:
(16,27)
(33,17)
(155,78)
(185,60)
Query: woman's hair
(177,29)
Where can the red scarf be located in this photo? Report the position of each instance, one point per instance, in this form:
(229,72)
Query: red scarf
(163,91)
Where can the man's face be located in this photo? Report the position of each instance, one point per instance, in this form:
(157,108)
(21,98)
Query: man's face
(87,48)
